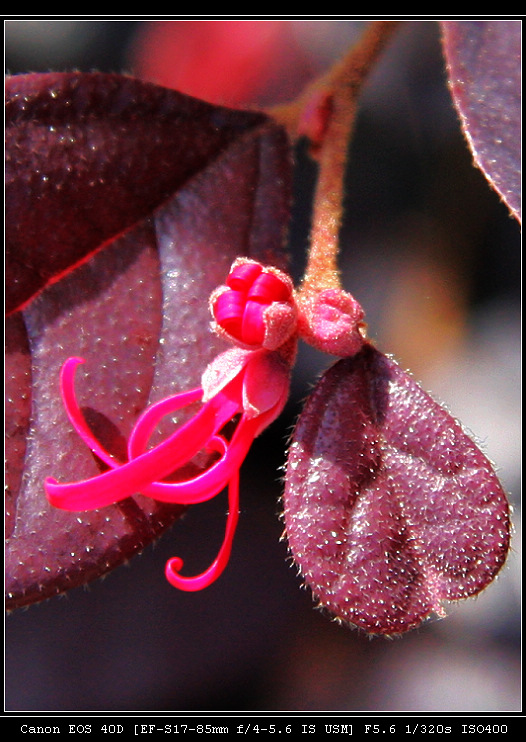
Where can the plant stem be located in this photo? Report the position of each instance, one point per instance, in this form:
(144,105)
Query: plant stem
(342,87)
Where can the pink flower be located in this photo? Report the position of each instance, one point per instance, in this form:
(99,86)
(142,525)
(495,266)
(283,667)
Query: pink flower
(248,385)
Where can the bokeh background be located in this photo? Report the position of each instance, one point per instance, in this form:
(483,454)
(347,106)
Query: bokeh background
(433,256)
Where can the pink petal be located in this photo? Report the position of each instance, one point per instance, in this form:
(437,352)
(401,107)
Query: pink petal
(223,370)
(67,386)
(265,384)
(218,565)
(135,476)
(151,417)
(243,273)
(253,328)
(208,484)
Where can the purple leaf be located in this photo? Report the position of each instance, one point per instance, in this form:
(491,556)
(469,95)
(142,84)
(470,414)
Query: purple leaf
(126,204)
(484,67)
(390,508)
(90,155)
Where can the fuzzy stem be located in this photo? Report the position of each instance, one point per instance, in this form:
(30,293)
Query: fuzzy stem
(343,84)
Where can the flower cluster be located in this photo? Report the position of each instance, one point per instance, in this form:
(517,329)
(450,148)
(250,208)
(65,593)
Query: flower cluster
(256,310)
(260,314)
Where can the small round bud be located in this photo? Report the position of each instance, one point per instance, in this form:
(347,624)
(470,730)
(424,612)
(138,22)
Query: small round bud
(256,308)
(332,321)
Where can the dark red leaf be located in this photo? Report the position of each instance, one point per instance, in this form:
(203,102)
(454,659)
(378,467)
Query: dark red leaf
(390,508)
(126,205)
(484,67)
(88,156)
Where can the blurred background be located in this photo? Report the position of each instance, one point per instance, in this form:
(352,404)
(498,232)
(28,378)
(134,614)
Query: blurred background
(434,258)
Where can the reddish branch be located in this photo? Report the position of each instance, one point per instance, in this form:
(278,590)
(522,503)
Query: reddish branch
(326,113)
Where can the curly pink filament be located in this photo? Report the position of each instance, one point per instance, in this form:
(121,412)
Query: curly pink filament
(198,582)
(145,467)
(123,480)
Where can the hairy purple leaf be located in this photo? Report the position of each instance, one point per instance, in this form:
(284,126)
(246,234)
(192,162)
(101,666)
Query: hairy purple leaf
(484,67)
(126,204)
(390,508)
(88,156)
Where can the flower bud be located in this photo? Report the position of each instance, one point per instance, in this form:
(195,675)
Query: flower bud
(256,307)
(332,321)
